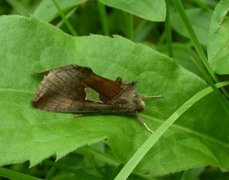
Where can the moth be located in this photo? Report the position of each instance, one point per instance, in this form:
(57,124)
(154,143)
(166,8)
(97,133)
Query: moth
(63,90)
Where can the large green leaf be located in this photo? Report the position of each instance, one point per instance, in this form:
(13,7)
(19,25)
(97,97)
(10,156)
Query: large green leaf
(150,10)
(200,137)
(218,47)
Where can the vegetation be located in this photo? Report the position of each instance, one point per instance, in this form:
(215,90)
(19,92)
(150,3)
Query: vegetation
(178,50)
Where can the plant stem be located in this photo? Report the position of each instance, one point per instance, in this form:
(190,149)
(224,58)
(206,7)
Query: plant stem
(130,26)
(69,26)
(103,18)
(168,30)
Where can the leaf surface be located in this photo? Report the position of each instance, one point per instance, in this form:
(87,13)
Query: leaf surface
(150,10)
(218,47)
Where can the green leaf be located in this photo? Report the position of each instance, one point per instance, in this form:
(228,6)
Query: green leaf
(47,10)
(218,47)
(200,20)
(199,137)
(146,9)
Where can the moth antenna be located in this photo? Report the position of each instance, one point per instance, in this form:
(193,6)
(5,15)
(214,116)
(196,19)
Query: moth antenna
(152,97)
(141,120)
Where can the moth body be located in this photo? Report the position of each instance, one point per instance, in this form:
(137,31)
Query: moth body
(63,90)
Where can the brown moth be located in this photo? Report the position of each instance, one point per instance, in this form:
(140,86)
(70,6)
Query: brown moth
(63,90)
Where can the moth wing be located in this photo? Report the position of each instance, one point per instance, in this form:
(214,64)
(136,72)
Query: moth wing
(106,88)
(60,88)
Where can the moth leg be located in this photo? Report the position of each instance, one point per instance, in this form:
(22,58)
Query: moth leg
(152,97)
(141,120)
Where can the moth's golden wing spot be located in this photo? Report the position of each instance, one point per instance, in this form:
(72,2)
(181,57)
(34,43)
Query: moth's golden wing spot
(91,95)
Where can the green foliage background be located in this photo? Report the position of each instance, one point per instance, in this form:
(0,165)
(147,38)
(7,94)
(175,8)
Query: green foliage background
(31,44)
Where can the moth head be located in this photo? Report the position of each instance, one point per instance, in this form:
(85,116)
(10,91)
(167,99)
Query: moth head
(131,97)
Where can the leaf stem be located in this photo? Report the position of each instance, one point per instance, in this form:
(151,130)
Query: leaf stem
(103,18)
(69,26)
(168,30)
(130,26)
